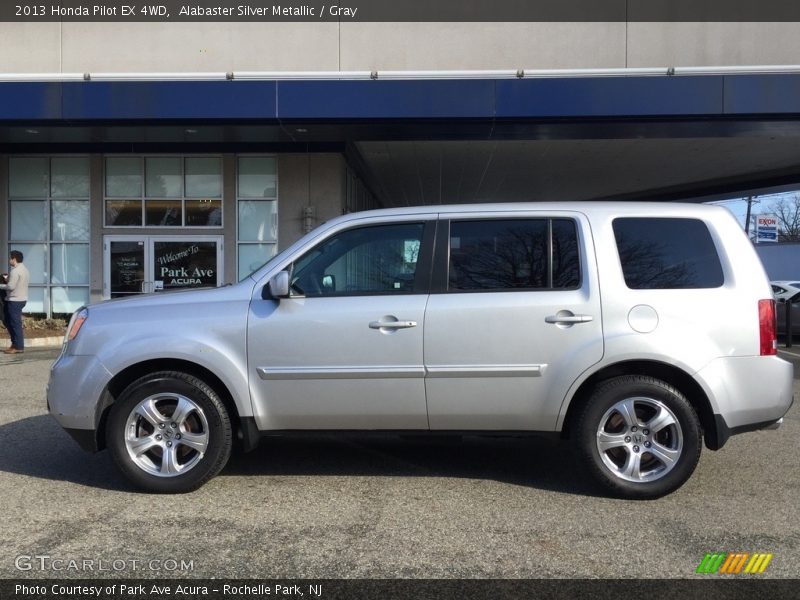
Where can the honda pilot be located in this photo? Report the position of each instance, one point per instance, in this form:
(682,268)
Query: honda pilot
(636,332)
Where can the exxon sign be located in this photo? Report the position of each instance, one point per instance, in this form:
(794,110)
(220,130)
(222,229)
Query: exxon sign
(766,228)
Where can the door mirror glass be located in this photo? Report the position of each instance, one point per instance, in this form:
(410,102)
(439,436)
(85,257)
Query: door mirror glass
(277,287)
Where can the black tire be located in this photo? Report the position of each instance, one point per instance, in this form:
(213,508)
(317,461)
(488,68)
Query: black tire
(674,446)
(199,439)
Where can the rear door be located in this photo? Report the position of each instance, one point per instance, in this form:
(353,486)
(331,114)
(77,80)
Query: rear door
(513,320)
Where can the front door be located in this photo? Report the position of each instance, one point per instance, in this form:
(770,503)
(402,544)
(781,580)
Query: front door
(143,264)
(345,350)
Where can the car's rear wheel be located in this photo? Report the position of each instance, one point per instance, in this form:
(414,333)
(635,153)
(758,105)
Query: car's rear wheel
(639,437)
(169,432)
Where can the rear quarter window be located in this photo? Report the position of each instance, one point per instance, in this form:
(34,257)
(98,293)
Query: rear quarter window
(667,253)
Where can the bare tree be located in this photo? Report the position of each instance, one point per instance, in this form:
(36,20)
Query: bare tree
(787,210)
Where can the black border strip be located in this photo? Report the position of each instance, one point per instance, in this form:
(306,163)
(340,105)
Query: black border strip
(402,11)
(705,587)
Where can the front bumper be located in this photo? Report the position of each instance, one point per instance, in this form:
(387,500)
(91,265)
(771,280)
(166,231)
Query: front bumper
(74,392)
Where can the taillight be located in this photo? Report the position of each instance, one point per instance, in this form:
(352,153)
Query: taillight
(768,327)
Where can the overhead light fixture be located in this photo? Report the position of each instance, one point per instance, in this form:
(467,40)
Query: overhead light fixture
(32,131)
(301,130)
(191,131)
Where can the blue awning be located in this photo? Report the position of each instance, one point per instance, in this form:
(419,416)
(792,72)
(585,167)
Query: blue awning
(675,97)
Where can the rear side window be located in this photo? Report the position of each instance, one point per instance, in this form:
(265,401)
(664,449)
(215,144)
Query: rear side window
(664,253)
(513,254)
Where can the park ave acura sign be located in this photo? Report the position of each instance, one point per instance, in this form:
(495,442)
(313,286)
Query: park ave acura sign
(185,265)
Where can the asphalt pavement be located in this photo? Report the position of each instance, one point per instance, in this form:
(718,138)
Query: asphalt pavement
(355,507)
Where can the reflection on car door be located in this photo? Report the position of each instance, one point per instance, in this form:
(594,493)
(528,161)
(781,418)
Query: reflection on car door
(345,350)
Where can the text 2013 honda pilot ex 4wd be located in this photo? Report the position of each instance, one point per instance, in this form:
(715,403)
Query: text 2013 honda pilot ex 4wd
(635,330)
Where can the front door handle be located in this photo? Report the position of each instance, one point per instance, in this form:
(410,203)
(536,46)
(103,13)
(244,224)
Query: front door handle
(392,324)
(568,318)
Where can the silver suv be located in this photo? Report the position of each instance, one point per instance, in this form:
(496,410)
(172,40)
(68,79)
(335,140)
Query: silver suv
(635,331)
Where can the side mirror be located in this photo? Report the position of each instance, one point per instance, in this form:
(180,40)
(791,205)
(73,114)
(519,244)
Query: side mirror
(277,287)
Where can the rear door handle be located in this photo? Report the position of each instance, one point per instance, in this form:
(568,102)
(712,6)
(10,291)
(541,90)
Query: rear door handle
(392,324)
(559,318)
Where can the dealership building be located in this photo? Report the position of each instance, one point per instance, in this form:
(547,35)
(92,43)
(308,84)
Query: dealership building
(139,157)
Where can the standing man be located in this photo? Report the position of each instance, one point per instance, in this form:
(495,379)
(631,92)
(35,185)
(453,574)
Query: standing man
(16,298)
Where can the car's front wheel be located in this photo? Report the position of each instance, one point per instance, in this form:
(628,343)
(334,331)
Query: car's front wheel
(639,437)
(169,432)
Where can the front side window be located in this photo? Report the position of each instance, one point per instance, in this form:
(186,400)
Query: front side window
(362,261)
(513,254)
(667,253)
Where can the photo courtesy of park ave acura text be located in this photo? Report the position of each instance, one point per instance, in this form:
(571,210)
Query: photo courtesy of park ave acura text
(389,300)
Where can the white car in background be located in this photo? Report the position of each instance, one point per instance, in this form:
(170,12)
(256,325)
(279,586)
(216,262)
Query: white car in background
(783,290)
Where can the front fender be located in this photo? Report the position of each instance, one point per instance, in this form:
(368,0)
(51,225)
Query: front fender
(226,360)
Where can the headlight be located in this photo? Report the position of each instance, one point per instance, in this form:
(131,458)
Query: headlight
(75,323)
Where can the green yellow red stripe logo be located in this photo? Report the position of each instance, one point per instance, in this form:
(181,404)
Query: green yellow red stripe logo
(734,563)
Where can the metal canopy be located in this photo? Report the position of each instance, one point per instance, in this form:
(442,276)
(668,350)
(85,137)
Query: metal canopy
(434,141)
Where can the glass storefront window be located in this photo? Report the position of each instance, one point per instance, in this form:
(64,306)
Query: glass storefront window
(49,205)
(123,177)
(257,211)
(204,213)
(203,177)
(69,220)
(122,213)
(34,257)
(28,218)
(27,177)
(257,177)
(252,256)
(163,213)
(177,191)
(69,263)
(164,178)
(69,177)
(258,220)
(35,303)
(67,300)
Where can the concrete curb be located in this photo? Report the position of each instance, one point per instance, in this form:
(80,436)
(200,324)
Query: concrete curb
(44,342)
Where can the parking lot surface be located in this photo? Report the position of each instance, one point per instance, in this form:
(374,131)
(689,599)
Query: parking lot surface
(360,507)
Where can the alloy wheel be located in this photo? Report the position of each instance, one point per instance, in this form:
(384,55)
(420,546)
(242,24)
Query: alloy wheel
(639,439)
(166,435)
